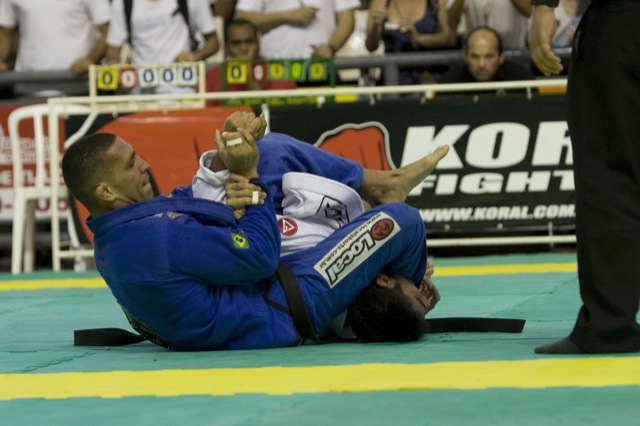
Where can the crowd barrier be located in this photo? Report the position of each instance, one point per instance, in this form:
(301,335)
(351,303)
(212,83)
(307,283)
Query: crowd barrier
(388,63)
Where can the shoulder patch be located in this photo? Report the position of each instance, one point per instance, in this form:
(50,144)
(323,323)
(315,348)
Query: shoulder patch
(356,247)
(288,226)
(239,240)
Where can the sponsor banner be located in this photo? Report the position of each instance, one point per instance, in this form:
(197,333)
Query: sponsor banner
(509,167)
(356,247)
(27,145)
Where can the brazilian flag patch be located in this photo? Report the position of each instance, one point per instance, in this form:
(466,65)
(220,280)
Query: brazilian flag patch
(239,240)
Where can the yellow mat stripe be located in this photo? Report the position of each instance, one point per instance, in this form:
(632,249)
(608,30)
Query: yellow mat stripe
(444,271)
(529,268)
(529,374)
(52,283)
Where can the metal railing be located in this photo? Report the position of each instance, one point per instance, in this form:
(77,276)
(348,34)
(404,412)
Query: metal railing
(390,64)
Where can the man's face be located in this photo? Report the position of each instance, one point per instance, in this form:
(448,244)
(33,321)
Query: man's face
(482,56)
(129,181)
(242,43)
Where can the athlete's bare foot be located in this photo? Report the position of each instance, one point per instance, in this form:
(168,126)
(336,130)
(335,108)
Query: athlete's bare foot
(395,185)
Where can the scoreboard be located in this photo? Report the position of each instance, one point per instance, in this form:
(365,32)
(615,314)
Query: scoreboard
(298,70)
(124,78)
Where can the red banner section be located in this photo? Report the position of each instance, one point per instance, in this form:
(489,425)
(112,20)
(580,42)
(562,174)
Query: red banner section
(509,167)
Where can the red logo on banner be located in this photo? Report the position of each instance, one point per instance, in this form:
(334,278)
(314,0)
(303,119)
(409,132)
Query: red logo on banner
(367,143)
(288,227)
(381,229)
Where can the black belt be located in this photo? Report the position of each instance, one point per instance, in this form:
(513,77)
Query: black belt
(120,337)
(105,337)
(298,308)
(472,325)
(302,321)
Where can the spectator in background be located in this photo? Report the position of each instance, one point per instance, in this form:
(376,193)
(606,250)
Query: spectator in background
(484,60)
(568,18)
(75,41)
(242,44)
(510,18)
(53,35)
(410,26)
(161,34)
(6,90)
(300,28)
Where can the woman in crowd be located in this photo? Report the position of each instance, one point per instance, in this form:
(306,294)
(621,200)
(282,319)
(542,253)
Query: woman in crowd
(410,26)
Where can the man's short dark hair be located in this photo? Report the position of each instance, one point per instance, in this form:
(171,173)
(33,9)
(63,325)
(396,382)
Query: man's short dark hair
(465,42)
(84,164)
(241,22)
(385,315)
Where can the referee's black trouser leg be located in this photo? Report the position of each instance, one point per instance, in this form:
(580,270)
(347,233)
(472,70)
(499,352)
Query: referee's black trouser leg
(604,122)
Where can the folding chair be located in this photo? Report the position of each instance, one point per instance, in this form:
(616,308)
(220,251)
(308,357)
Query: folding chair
(26,196)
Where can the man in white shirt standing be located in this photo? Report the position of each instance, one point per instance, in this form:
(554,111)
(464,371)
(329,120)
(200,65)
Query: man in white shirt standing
(300,29)
(54,34)
(510,18)
(160,34)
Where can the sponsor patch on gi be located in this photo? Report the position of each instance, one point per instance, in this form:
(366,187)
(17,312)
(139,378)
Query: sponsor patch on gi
(239,240)
(334,209)
(288,227)
(356,247)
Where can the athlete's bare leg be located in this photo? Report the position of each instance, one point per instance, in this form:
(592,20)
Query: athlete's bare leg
(382,186)
(394,185)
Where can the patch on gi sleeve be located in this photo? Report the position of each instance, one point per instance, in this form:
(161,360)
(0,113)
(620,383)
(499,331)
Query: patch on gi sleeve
(356,247)
(239,240)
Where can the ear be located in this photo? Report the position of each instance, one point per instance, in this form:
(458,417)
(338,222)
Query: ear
(104,192)
(501,58)
(384,281)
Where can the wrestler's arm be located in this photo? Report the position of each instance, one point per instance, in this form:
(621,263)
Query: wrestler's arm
(217,183)
(251,249)
(383,186)
(255,125)
(240,254)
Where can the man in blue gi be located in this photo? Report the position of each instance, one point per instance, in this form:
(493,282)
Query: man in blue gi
(189,276)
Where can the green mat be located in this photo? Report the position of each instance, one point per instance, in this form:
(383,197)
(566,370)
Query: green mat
(342,383)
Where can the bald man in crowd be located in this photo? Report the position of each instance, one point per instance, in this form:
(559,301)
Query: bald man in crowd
(484,60)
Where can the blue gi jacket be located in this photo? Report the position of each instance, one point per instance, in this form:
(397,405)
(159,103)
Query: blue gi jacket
(184,266)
